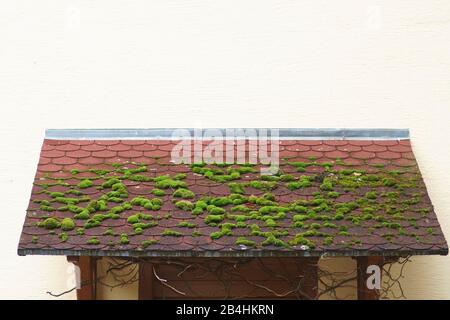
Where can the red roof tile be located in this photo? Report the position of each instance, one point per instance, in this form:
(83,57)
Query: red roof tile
(361,197)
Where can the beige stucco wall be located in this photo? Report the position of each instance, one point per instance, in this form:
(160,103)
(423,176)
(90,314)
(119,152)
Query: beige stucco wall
(217,63)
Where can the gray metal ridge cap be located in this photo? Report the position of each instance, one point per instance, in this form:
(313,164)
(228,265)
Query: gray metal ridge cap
(228,133)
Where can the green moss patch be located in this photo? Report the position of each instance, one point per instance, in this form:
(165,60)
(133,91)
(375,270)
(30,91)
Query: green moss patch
(158,192)
(148,243)
(245,242)
(184,205)
(63,236)
(149,204)
(327,185)
(83,215)
(165,182)
(171,233)
(301,240)
(93,241)
(214,210)
(186,224)
(50,223)
(274,241)
(184,193)
(303,182)
(372,195)
(67,224)
(86,183)
(124,239)
(214,218)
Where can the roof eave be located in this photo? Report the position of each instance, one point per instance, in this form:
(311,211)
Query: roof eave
(233,253)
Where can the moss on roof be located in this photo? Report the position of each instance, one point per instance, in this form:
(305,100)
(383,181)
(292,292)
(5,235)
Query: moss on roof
(339,196)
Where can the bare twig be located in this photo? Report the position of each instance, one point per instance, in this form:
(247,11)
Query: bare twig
(164,282)
(56,295)
(120,273)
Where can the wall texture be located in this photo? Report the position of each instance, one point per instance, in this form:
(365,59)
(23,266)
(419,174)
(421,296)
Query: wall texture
(210,63)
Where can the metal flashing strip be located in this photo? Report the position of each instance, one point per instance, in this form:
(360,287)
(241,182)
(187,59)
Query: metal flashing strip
(227,134)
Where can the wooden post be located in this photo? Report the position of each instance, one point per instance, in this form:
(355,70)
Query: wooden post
(310,281)
(145,281)
(88,275)
(364,293)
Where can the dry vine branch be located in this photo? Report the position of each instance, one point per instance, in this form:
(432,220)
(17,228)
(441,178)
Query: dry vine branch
(164,282)
(120,273)
(56,295)
(391,281)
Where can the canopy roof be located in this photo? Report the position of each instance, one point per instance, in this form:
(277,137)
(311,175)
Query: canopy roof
(338,192)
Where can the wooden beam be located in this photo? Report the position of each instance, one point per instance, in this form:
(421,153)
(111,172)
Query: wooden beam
(146,278)
(365,293)
(88,275)
(311,281)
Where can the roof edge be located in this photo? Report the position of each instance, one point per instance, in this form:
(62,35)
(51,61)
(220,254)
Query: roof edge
(235,253)
(228,133)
